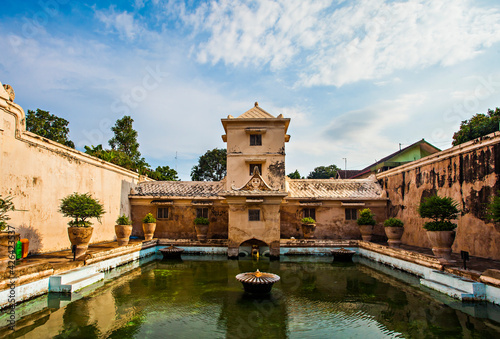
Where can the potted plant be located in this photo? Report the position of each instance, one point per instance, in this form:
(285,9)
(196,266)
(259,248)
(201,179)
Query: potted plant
(149,226)
(494,209)
(308,227)
(123,229)
(7,233)
(394,231)
(440,231)
(366,223)
(80,207)
(201,227)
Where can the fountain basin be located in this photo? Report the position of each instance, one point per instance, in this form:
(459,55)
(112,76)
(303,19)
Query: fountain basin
(342,255)
(171,252)
(257,282)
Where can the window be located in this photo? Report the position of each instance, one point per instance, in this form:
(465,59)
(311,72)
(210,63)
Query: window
(162,213)
(309,213)
(255,139)
(351,214)
(252,166)
(202,212)
(253,215)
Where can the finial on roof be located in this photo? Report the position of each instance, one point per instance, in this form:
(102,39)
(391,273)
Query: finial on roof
(230,116)
(280,116)
(256,104)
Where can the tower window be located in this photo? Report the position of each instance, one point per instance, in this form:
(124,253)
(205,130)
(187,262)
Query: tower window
(252,166)
(253,215)
(255,139)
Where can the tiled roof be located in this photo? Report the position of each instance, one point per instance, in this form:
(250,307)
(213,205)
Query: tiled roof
(347,174)
(256,113)
(337,189)
(178,188)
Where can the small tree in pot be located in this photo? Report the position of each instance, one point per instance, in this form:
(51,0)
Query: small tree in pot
(494,209)
(308,227)
(81,207)
(440,231)
(366,223)
(123,229)
(201,227)
(149,226)
(394,231)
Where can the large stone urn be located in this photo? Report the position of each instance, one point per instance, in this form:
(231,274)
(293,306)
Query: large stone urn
(80,237)
(394,235)
(308,230)
(201,232)
(366,232)
(123,233)
(441,243)
(149,230)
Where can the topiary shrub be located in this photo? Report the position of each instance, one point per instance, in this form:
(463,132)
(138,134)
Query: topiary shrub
(393,222)
(441,210)
(308,220)
(366,217)
(123,220)
(201,221)
(149,219)
(494,209)
(81,207)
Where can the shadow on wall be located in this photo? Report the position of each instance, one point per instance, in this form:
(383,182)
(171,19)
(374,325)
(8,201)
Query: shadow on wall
(125,203)
(34,237)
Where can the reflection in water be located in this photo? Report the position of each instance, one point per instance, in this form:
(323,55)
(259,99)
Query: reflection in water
(201,298)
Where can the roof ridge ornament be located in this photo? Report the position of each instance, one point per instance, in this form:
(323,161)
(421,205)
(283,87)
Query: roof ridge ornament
(256,183)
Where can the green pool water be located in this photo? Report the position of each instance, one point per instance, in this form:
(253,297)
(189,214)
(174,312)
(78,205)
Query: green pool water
(199,297)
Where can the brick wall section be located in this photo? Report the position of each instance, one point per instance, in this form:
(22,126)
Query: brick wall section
(468,173)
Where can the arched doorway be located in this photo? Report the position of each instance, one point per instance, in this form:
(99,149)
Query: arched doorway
(252,246)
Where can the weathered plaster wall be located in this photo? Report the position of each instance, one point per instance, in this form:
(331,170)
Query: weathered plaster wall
(468,173)
(38,172)
(179,224)
(330,220)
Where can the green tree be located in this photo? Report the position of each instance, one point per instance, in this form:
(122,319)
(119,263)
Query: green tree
(323,172)
(163,173)
(211,166)
(441,210)
(494,208)
(477,126)
(125,139)
(295,175)
(49,126)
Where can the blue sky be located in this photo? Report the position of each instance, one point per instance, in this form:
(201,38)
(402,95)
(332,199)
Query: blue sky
(356,77)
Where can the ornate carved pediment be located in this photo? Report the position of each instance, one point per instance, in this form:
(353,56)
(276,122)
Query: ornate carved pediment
(256,183)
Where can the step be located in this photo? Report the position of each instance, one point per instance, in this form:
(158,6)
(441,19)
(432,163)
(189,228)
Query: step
(74,280)
(460,283)
(72,275)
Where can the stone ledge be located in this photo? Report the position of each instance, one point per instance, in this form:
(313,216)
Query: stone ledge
(491,277)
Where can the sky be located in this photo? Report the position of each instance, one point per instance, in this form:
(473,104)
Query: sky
(357,78)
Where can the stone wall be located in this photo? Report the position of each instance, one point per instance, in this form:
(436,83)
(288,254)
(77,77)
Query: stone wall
(179,224)
(468,173)
(330,220)
(38,173)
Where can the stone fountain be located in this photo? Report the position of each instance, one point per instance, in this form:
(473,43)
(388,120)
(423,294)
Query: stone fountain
(257,282)
(171,252)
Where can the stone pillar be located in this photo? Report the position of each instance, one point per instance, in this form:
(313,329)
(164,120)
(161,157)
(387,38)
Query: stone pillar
(274,250)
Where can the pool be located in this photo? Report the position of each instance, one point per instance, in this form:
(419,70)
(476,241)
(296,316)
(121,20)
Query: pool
(198,297)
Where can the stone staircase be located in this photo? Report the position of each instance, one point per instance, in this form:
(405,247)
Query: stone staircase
(456,287)
(74,280)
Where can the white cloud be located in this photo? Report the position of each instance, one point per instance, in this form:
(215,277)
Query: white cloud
(353,41)
(123,23)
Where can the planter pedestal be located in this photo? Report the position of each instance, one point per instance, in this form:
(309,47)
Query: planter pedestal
(394,235)
(308,230)
(80,237)
(149,230)
(123,234)
(441,243)
(366,232)
(201,232)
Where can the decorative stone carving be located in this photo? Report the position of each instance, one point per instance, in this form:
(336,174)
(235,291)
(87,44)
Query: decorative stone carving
(256,183)
(10,92)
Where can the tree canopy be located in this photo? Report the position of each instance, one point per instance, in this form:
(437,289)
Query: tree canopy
(125,138)
(295,175)
(323,172)
(49,126)
(163,173)
(211,166)
(477,126)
